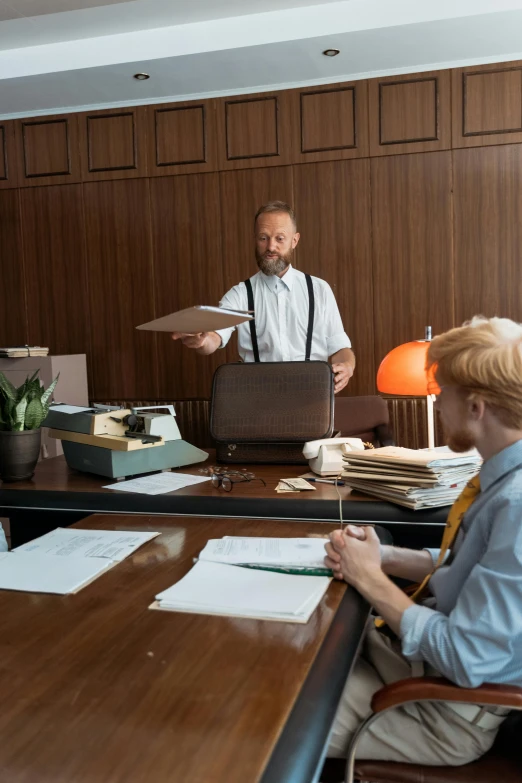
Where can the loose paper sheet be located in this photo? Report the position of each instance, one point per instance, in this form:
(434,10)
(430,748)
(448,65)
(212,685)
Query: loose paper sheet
(69,409)
(74,543)
(158,483)
(36,572)
(288,552)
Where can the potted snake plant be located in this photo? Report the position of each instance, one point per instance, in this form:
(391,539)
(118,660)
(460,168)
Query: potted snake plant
(22,411)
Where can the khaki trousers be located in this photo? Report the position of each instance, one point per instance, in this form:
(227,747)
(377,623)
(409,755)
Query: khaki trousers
(419,733)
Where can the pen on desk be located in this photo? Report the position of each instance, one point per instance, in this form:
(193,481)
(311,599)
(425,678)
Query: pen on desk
(326,481)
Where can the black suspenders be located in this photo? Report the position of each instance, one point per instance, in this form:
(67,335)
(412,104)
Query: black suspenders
(250,295)
(311,311)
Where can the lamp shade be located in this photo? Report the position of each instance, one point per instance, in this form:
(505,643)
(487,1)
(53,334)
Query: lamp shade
(402,371)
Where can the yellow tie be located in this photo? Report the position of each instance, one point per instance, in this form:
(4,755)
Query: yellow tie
(455,517)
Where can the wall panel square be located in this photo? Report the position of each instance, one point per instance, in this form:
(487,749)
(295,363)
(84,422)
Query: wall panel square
(254,130)
(413,268)
(182,138)
(48,151)
(328,120)
(55,268)
(488,232)
(487,105)
(330,123)
(113,144)
(410,113)
(119,262)
(8,158)
(332,203)
(13,321)
(241,194)
(188,271)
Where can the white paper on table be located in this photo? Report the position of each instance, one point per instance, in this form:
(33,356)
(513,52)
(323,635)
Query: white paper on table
(69,409)
(36,572)
(158,483)
(215,588)
(288,552)
(75,543)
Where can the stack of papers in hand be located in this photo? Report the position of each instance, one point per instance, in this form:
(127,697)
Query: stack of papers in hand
(423,478)
(66,559)
(218,585)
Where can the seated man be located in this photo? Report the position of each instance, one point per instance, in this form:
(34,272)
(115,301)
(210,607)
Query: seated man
(470,630)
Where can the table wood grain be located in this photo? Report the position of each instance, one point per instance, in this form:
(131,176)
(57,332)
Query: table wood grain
(97,688)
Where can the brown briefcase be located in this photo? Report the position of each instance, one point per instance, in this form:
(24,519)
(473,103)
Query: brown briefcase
(266,411)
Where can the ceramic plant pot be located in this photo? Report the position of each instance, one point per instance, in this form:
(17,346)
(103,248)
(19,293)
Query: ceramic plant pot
(19,452)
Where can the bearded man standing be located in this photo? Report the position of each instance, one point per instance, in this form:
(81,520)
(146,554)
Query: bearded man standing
(296,315)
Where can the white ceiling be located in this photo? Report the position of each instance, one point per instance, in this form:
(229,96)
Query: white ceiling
(15,9)
(62,55)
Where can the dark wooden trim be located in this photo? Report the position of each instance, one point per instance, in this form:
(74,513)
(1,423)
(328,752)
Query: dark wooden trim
(65,120)
(4,149)
(437,123)
(255,507)
(465,74)
(263,154)
(110,116)
(181,108)
(340,146)
(301,747)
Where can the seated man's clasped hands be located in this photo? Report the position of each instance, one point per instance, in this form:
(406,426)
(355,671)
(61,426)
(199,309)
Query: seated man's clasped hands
(465,621)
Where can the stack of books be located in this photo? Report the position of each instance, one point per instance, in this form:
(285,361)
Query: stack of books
(416,479)
(280,579)
(25,350)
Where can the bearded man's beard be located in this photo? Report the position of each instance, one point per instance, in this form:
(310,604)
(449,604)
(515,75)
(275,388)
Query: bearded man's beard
(460,440)
(273,266)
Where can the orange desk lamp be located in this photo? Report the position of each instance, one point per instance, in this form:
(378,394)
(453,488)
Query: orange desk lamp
(402,372)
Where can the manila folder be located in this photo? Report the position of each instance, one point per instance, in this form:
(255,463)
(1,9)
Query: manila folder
(198,319)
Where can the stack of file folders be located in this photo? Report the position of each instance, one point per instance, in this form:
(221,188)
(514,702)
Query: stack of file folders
(422,478)
(19,352)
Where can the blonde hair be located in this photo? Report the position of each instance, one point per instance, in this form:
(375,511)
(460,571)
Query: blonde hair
(484,358)
(276,206)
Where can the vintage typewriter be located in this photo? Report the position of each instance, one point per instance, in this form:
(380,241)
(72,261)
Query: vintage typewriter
(120,442)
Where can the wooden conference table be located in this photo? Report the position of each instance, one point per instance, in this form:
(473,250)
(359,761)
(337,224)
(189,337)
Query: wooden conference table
(96,687)
(57,495)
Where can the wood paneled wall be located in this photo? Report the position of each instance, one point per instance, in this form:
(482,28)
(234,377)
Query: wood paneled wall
(407,190)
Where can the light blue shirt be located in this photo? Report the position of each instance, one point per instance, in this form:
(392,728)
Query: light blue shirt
(3,540)
(281,311)
(474,632)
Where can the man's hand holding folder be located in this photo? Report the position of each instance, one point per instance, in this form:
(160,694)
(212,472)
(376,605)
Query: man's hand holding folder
(203,343)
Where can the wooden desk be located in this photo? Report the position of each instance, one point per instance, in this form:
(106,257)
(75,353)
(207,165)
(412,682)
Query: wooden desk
(57,492)
(95,687)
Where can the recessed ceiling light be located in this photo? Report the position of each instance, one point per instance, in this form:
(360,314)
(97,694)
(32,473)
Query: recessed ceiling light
(141,76)
(331,52)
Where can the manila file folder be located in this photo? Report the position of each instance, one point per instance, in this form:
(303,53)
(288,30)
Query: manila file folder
(198,319)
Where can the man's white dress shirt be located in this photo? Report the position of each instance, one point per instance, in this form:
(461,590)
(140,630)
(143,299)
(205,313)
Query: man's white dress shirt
(281,311)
